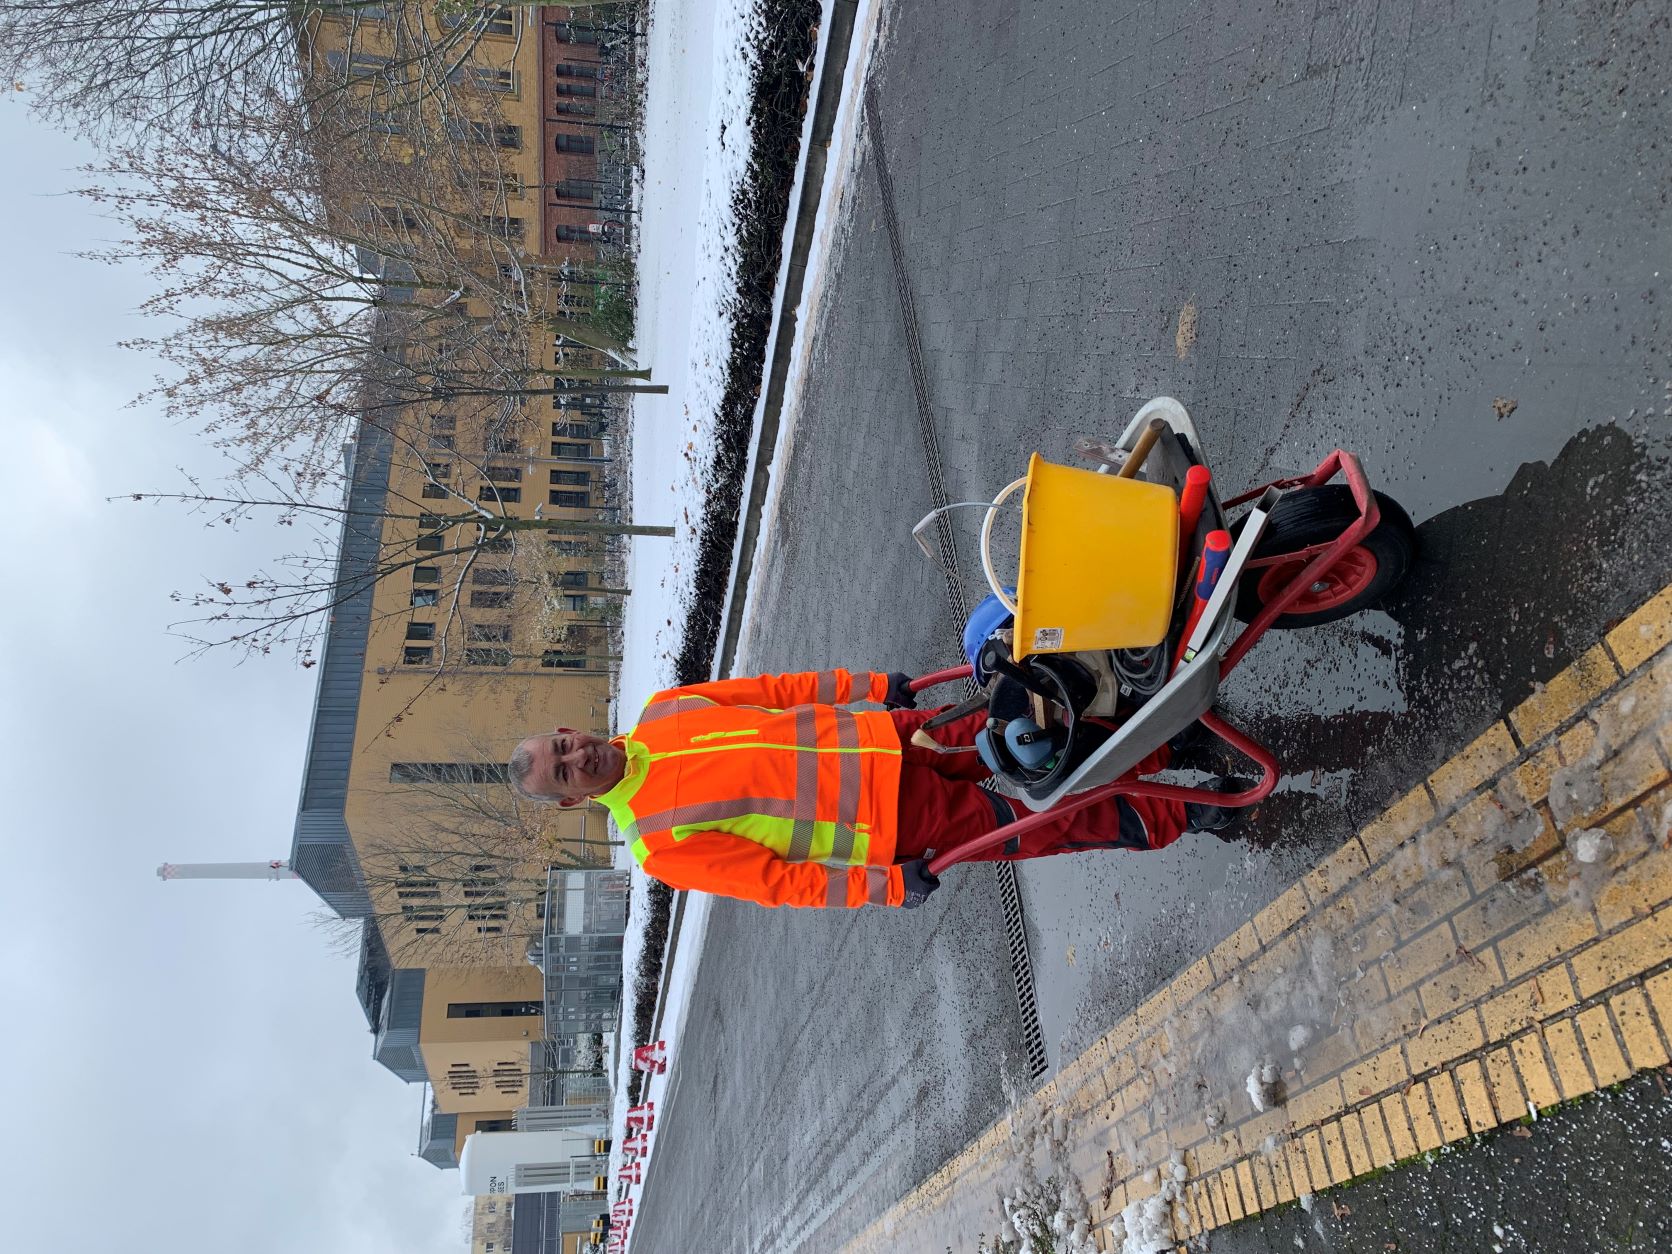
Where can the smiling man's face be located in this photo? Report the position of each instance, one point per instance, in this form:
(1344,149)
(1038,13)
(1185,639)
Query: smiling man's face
(569,766)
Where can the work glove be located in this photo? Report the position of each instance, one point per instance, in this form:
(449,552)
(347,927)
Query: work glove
(918,883)
(899,695)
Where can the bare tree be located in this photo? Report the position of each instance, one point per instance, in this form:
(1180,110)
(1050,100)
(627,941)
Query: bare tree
(320,255)
(465,878)
(289,605)
(127,66)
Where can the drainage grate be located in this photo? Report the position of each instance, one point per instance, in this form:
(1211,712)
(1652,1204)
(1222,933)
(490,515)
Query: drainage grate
(1021,966)
(1010,899)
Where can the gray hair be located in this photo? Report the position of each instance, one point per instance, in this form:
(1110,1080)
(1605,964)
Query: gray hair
(522,766)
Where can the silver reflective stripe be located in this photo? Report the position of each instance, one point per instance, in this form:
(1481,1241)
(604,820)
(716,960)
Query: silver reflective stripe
(836,887)
(806,785)
(848,769)
(716,812)
(825,692)
(876,885)
(662,709)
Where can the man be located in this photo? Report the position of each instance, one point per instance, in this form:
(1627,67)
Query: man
(768,790)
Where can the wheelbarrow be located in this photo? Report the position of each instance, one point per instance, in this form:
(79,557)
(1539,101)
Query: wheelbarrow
(1121,621)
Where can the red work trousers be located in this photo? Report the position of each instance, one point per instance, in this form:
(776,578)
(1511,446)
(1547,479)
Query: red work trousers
(942,805)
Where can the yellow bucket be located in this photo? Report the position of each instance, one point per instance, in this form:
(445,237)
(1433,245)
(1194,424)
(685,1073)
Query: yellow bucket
(1099,561)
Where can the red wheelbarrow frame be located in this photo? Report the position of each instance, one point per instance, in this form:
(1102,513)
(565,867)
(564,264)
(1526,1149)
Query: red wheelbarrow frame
(1323,557)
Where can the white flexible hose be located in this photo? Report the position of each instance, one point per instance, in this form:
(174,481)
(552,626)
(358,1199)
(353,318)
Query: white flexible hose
(987,545)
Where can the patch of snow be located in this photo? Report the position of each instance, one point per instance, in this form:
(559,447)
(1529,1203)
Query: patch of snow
(1300,1036)
(1148,1225)
(1264,1085)
(1591,845)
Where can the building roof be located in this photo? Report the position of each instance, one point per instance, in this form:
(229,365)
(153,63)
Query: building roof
(321,851)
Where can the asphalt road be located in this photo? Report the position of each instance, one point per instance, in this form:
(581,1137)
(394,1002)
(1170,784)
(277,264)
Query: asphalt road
(1432,233)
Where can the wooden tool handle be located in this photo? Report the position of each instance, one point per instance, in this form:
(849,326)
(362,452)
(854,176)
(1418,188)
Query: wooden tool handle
(1141,450)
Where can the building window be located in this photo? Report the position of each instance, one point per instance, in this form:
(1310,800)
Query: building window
(439,470)
(487,657)
(385,123)
(429,544)
(577,89)
(507,1077)
(446,773)
(503,474)
(499,544)
(493,576)
(575,69)
(359,65)
(492,1010)
(580,145)
(420,631)
(492,20)
(575,108)
(495,1125)
(571,431)
(481,600)
(576,189)
(503,444)
(571,579)
(417,656)
(564,449)
(574,33)
(507,496)
(440,442)
(490,633)
(577,602)
(576,235)
(424,596)
(425,931)
(485,77)
(426,574)
(433,492)
(568,548)
(418,894)
(462,1077)
(492,929)
(442,422)
(501,227)
(557,659)
(569,500)
(577,477)
(499,134)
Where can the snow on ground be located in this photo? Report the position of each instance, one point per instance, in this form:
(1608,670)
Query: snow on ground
(700,60)
(830,230)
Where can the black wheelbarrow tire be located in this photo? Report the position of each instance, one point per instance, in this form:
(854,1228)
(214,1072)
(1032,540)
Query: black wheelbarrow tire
(1367,573)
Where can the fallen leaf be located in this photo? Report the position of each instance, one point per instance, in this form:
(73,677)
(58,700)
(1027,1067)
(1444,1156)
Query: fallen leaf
(1520,1130)
(1503,406)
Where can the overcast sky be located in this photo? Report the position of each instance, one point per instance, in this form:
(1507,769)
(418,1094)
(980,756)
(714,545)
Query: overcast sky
(186,1068)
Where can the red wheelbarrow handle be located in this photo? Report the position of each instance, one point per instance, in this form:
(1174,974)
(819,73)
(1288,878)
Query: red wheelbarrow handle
(941,677)
(1129,786)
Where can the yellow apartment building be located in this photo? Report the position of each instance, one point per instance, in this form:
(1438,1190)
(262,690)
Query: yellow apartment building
(447,645)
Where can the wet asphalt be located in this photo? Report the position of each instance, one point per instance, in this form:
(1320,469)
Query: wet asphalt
(1433,233)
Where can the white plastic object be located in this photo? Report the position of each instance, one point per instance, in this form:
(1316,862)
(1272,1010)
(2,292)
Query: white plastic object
(1004,597)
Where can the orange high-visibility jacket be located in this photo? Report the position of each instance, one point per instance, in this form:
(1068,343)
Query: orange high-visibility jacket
(765,789)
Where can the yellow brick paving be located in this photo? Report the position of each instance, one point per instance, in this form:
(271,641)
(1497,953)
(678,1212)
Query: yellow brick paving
(1496,975)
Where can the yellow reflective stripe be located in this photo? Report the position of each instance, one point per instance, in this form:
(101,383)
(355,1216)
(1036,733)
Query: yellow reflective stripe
(767,744)
(725,735)
(707,812)
(835,887)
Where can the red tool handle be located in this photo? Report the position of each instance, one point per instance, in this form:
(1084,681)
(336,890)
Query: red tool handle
(1191,500)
